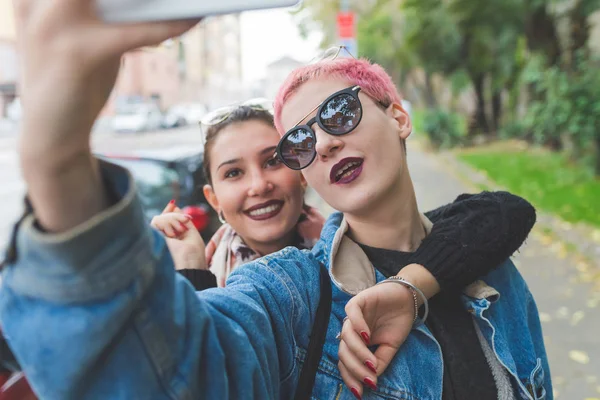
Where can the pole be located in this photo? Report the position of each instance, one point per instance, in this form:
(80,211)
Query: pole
(349,43)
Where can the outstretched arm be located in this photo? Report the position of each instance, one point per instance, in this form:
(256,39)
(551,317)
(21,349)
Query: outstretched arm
(90,303)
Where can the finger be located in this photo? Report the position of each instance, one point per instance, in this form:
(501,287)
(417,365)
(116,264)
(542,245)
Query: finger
(354,385)
(155,222)
(355,315)
(183,218)
(357,347)
(170,207)
(128,37)
(384,355)
(179,210)
(169,231)
(355,367)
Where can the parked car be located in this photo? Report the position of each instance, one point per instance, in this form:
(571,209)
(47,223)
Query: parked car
(184,114)
(173,173)
(138,118)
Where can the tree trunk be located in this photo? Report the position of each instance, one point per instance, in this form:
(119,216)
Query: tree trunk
(480,121)
(541,33)
(579,31)
(496,110)
(429,94)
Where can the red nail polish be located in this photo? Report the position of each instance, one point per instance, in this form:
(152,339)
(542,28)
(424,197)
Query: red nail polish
(365,337)
(172,201)
(185,228)
(355,393)
(370,383)
(371,366)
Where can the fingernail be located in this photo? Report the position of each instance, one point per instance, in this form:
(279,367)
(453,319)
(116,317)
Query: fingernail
(188,216)
(356,393)
(172,201)
(365,337)
(370,383)
(371,366)
(185,228)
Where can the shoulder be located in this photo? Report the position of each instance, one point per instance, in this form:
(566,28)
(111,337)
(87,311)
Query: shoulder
(287,279)
(290,266)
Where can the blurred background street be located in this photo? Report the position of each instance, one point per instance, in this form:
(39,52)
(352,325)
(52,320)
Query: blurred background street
(503,95)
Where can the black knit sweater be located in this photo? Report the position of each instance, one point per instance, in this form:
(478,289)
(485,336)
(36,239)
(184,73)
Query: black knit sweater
(470,237)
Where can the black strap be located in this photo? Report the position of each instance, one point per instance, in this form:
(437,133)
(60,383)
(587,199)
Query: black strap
(317,340)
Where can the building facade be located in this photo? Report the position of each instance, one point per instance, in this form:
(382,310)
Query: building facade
(147,75)
(8,57)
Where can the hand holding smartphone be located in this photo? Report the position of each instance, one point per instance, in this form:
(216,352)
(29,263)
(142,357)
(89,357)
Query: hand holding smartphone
(157,10)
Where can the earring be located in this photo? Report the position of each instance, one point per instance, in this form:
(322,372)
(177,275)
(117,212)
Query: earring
(222,217)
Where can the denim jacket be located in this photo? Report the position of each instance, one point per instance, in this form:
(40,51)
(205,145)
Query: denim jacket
(98,312)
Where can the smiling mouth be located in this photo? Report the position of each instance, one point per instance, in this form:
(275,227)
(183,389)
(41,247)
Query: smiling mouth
(346,170)
(264,211)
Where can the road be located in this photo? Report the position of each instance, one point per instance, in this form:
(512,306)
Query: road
(12,188)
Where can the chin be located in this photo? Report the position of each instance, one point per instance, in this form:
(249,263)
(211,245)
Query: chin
(271,232)
(353,202)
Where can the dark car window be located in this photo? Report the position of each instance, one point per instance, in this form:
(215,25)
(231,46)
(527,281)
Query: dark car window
(156,183)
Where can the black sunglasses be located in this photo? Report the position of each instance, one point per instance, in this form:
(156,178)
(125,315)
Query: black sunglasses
(338,115)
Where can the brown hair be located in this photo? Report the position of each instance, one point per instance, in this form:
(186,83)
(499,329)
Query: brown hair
(240,114)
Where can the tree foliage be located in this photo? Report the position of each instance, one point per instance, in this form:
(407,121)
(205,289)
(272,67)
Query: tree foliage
(513,55)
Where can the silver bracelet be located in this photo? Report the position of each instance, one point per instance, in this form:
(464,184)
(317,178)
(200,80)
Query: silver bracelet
(414,290)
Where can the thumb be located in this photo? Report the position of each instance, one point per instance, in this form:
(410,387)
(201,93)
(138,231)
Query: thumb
(384,355)
(123,38)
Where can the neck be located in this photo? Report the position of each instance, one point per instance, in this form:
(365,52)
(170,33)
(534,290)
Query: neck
(394,223)
(265,248)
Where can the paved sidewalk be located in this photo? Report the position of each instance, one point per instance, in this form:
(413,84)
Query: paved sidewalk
(562,284)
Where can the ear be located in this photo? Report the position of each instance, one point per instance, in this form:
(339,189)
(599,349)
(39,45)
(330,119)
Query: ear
(403,120)
(211,197)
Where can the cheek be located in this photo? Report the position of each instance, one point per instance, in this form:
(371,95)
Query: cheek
(230,197)
(291,184)
(312,174)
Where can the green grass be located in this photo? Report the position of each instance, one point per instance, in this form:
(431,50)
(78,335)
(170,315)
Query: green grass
(417,119)
(543,178)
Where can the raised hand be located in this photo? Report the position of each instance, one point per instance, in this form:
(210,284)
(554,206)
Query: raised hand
(69,64)
(184,241)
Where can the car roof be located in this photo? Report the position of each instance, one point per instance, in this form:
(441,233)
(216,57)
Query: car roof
(166,154)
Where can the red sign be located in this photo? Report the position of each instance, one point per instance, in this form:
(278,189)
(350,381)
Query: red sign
(346,25)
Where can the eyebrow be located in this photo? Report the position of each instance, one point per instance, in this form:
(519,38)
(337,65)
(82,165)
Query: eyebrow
(266,150)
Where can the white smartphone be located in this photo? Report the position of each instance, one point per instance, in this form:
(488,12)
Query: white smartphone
(157,10)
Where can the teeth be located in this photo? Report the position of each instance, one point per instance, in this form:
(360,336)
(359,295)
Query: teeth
(265,210)
(346,168)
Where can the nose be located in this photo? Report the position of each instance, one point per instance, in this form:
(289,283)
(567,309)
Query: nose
(260,184)
(327,145)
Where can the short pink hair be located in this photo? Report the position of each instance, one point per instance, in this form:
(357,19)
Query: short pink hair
(372,79)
